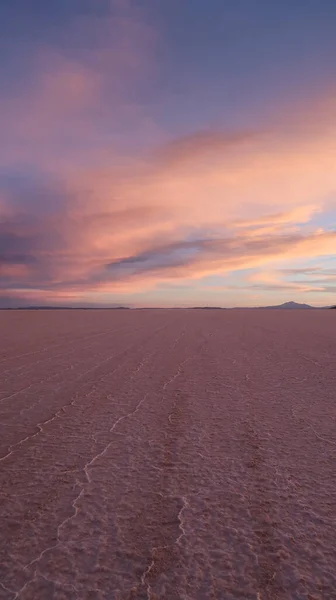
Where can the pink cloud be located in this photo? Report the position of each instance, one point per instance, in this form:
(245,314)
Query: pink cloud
(209,203)
(72,95)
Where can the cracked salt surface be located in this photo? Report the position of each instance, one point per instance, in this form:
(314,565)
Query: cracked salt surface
(168,454)
(74,505)
(156,549)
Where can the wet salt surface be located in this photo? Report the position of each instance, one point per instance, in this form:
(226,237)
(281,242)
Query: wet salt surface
(168,454)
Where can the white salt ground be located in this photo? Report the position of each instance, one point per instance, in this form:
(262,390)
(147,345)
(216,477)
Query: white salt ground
(168,454)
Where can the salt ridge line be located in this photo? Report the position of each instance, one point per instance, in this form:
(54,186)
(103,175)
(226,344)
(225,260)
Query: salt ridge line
(104,378)
(48,378)
(319,436)
(79,340)
(11,449)
(179,369)
(45,349)
(184,499)
(103,452)
(74,503)
(21,391)
(185,505)
(58,413)
(87,474)
(7,589)
(177,374)
(323,439)
(37,383)
(31,367)
(85,470)
(56,389)
(76,500)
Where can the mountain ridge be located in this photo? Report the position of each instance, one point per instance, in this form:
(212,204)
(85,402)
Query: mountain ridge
(290,305)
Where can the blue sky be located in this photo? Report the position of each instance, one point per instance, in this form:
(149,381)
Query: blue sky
(168,153)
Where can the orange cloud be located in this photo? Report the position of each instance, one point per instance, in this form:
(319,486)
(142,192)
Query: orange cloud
(209,203)
(274,280)
(265,185)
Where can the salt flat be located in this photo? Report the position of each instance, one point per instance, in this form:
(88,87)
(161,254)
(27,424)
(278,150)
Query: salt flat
(168,454)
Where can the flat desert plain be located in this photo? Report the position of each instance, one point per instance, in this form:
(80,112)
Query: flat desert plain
(168,454)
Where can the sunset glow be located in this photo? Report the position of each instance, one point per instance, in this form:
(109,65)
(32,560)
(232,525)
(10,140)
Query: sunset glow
(143,162)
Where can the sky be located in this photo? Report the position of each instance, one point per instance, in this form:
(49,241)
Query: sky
(167,153)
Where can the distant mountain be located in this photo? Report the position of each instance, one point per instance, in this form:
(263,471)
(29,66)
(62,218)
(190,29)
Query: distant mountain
(289,305)
(285,306)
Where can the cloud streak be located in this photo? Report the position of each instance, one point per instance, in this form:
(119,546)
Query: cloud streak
(85,211)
